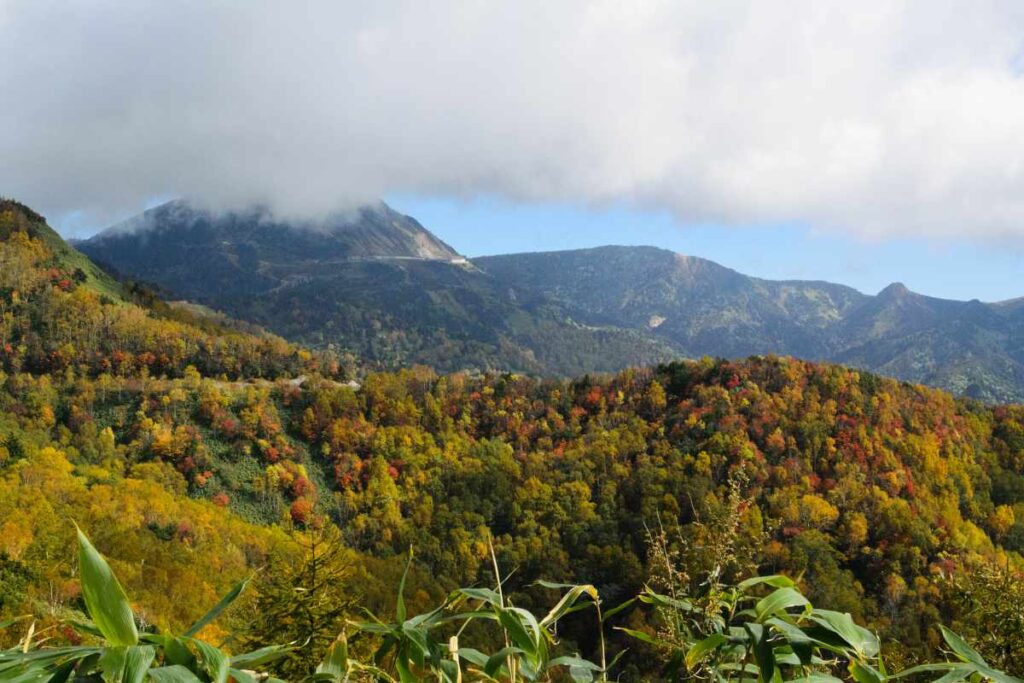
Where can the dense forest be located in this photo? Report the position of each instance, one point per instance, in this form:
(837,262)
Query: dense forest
(196,452)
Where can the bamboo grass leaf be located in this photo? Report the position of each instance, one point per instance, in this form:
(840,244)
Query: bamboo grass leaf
(335,663)
(701,649)
(777,602)
(224,603)
(105,600)
(173,674)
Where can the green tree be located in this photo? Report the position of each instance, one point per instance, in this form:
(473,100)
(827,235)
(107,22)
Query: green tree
(303,599)
(988,603)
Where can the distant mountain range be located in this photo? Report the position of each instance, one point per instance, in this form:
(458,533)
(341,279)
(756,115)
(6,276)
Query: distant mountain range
(969,348)
(380,285)
(372,281)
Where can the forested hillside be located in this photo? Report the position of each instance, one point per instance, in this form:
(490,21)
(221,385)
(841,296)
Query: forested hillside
(195,453)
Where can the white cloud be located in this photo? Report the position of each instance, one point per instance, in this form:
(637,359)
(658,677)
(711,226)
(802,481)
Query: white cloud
(870,117)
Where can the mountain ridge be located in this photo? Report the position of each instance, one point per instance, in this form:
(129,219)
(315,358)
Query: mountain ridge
(555,312)
(381,298)
(968,347)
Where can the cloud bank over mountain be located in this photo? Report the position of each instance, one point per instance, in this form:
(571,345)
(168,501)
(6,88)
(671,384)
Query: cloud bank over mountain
(876,117)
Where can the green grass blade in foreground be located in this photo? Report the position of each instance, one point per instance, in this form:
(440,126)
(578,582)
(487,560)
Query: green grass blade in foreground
(105,600)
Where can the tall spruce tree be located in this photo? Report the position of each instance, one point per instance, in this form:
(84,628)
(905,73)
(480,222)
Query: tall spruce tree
(303,598)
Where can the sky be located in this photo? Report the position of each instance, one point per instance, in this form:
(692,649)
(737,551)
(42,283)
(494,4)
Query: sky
(858,142)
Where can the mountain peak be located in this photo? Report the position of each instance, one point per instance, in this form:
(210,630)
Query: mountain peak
(16,208)
(896,290)
(369,231)
(193,251)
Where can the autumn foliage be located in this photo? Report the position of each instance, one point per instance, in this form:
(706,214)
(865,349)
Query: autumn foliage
(192,454)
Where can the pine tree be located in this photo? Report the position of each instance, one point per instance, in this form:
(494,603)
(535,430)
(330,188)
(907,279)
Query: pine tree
(303,598)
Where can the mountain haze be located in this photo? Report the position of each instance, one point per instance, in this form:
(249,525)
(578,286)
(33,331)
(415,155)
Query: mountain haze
(380,285)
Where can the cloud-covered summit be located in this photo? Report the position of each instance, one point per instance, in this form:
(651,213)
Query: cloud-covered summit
(874,117)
